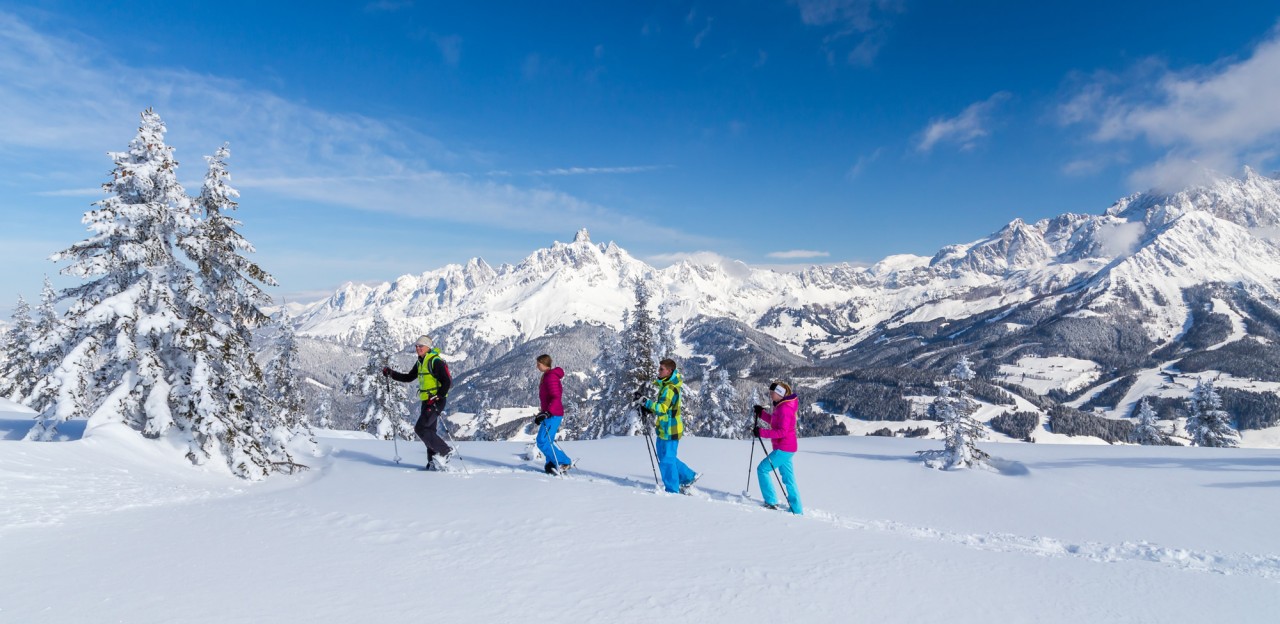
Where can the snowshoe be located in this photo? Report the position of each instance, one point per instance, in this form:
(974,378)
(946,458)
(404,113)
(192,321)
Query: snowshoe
(684,488)
(441,462)
(773,506)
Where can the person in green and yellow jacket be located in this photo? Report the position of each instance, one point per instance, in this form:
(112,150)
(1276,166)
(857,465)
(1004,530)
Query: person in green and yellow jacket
(665,411)
(434,381)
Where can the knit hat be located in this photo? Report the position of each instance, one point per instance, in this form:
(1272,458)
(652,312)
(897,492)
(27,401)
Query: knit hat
(423,341)
(780,387)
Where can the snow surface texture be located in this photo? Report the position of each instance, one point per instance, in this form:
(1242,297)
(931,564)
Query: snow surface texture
(1057,534)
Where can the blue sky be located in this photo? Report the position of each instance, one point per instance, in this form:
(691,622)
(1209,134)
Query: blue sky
(373,139)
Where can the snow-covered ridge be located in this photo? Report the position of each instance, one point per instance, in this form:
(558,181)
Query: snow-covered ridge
(1147,246)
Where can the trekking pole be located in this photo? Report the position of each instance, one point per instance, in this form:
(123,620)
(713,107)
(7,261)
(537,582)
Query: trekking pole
(751,463)
(444,424)
(395,427)
(644,422)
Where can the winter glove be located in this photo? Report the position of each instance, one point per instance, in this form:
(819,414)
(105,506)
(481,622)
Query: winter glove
(757,409)
(646,410)
(541,416)
(386,372)
(637,395)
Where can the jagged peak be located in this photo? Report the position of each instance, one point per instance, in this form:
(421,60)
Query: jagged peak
(583,236)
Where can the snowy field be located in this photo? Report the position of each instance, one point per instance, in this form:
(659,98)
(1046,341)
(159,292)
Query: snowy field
(109,528)
(1042,374)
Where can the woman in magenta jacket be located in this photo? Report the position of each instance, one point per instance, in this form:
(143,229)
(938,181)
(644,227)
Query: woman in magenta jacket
(548,419)
(780,428)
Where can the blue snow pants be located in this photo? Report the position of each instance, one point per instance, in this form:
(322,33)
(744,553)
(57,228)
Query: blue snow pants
(674,472)
(780,461)
(547,442)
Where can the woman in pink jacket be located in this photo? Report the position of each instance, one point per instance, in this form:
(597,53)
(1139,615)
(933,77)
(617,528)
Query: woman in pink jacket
(780,428)
(549,417)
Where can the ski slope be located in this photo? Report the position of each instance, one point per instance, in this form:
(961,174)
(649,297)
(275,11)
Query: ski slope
(112,527)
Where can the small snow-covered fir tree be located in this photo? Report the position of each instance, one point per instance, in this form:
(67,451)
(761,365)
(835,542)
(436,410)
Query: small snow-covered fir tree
(722,414)
(288,417)
(47,346)
(960,430)
(1147,430)
(324,412)
(17,368)
(626,363)
(383,407)
(1209,424)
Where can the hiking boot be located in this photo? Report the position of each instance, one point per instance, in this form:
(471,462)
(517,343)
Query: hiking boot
(551,469)
(684,487)
(772,506)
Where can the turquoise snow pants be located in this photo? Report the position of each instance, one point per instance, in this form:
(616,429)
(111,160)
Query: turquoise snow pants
(674,472)
(780,461)
(547,442)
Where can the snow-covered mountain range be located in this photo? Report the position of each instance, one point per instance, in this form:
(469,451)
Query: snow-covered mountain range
(1124,289)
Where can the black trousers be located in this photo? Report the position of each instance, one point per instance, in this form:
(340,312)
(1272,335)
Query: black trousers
(428,430)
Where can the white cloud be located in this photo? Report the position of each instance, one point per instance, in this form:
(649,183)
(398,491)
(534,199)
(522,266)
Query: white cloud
(702,34)
(736,268)
(570,171)
(859,15)
(868,18)
(1122,238)
(388,6)
(796,254)
(84,192)
(861,164)
(60,99)
(1212,117)
(964,129)
(450,48)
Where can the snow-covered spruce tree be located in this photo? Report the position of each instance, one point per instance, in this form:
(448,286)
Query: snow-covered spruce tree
(226,389)
(17,368)
(1147,431)
(1208,424)
(383,406)
(960,430)
(47,346)
(288,416)
(627,365)
(721,414)
(324,412)
(124,348)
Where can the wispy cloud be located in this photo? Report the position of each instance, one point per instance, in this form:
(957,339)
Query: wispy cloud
(797,254)
(84,192)
(964,129)
(388,6)
(861,164)
(702,34)
(1211,117)
(450,47)
(736,268)
(867,21)
(573,171)
(60,98)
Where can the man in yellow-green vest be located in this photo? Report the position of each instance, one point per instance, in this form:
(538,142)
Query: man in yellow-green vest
(433,378)
(677,477)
